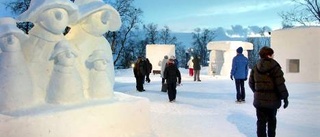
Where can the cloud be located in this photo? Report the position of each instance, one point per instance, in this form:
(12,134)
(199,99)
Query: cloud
(242,7)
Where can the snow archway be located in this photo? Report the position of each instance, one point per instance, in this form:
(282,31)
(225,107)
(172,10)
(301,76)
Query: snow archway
(222,53)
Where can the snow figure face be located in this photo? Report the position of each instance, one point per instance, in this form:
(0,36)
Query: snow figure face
(97,23)
(10,43)
(100,65)
(65,59)
(54,20)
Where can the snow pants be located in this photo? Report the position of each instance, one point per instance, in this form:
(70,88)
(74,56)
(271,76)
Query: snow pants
(139,83)
(241,94)
(172,91)
(266,116)
(190,71)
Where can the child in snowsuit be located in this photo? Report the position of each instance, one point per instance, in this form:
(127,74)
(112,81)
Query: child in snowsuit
(172,76)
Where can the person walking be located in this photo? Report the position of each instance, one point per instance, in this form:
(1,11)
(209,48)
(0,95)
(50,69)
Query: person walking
(190,66)
(139,71)
(148,70)
(196,68)
(176,62)
(268,85)
(163,66)
(172,77)
(239,72)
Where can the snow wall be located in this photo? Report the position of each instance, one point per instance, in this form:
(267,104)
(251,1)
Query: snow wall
(298,52)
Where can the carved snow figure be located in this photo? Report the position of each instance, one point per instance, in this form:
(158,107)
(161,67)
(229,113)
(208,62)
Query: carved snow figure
(96,18)
(16,90)
(50,18)
(65,85)
(99,87)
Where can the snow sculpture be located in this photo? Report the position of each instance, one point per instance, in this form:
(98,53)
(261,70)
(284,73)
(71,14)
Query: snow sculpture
(15,84)
(65,85)
(50,18)
(94,117)
(96,18)
(98,83)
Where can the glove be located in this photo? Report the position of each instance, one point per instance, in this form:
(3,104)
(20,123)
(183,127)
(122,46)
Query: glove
(231,77)
(286,103)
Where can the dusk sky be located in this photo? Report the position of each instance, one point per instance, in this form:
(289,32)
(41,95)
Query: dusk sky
(186,15)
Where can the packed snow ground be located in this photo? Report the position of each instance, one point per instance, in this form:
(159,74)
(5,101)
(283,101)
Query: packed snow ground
(208,108)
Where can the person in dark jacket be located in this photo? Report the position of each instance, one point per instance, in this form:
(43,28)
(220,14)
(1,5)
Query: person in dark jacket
(268,85)
(148,70)
(139,71)
(196,68)
(172,76)
(239,72)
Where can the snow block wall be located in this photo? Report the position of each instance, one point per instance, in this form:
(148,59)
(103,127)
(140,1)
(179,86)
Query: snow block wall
(298,52)
(156,52)
(117,117)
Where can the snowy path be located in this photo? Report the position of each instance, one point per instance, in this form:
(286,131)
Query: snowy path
(207,108)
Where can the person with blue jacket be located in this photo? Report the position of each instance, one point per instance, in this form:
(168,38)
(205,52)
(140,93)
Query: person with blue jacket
(239,72)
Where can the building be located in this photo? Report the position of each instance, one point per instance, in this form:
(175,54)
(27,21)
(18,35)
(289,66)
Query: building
(298,52)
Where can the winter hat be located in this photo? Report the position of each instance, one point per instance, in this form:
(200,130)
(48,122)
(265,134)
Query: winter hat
(39,6)
(98,55)
(240,50)
(171,61)
(165,57)
(88,7)
(60,47)
(172,57)
(9,25)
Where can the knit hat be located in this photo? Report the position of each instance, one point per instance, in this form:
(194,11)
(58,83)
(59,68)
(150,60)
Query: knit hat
(240,50)
(8,25)
(39,6)
(98,55)
(172,57)
(88,7)
(60,47)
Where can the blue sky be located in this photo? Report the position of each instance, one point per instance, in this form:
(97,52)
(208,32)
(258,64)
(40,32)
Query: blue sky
(186,15)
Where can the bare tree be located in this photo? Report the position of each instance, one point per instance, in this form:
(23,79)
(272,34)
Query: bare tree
(305,12)
(130,17)
(17,7)
(200,40)
(165,36)
(151,33)
(258,43)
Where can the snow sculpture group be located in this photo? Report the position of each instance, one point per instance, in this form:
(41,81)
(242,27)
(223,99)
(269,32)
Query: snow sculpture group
(46,66)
